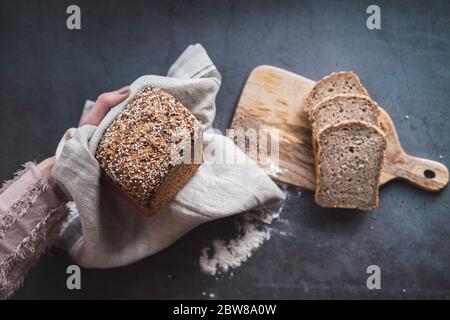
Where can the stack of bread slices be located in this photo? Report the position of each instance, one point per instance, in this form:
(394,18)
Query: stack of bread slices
(348,142)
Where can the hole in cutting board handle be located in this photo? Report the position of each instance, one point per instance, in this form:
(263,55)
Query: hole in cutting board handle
(429,174)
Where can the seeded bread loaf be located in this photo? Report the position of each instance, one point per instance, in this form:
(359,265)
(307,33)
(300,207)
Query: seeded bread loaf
(151,149)
(345,107)
(345,82)
(349,158)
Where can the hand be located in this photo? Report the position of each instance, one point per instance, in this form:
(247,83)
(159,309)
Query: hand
(49,212)
(104,102)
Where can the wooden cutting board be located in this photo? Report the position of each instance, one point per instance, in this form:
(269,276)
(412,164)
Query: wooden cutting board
(272,99)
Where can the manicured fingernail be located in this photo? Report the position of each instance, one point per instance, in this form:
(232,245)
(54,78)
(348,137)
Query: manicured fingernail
(124,90)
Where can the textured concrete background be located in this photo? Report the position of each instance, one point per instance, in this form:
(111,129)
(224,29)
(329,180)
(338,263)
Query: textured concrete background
(47,72)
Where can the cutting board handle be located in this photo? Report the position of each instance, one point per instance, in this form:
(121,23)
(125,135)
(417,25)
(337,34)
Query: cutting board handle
(426,174)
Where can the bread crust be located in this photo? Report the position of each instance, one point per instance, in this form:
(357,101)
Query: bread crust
(174,182)
(373,105)
(143,153)
(307,102)
(317,163)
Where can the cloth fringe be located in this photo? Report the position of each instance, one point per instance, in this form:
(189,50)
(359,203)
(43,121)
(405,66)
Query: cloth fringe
(21,206)
(26,166)
(27,253)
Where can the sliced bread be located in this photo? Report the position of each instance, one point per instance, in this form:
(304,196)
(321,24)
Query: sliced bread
(345,107)
(349,158)
(345,82)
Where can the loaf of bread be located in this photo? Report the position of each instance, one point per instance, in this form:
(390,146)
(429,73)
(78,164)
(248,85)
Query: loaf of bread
(345,82)
(151,149)
(349,159)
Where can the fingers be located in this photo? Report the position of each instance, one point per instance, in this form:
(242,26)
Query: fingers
(110,99)
(104,103)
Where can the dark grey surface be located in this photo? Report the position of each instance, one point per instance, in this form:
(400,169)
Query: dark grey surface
(47,72)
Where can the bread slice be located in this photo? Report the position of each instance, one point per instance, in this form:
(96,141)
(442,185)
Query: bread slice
(349,160)
(151,149)
(345,82)
(345,107)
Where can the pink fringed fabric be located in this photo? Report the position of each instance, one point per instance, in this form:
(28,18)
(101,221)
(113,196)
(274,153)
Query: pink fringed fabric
(17,175)
(30,218)
(22,205)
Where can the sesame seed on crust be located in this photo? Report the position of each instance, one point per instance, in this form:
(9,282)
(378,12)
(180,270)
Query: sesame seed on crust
(137,149)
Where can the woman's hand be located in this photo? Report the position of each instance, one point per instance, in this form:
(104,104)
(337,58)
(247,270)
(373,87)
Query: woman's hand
(24,237)
(104,102)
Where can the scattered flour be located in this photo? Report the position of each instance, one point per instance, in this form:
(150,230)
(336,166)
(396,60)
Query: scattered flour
(222,255)
(253,230)
(283,233)
(274,169)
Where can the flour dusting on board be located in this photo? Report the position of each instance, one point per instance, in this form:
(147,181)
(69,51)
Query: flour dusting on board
(253,230)
(272,168)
